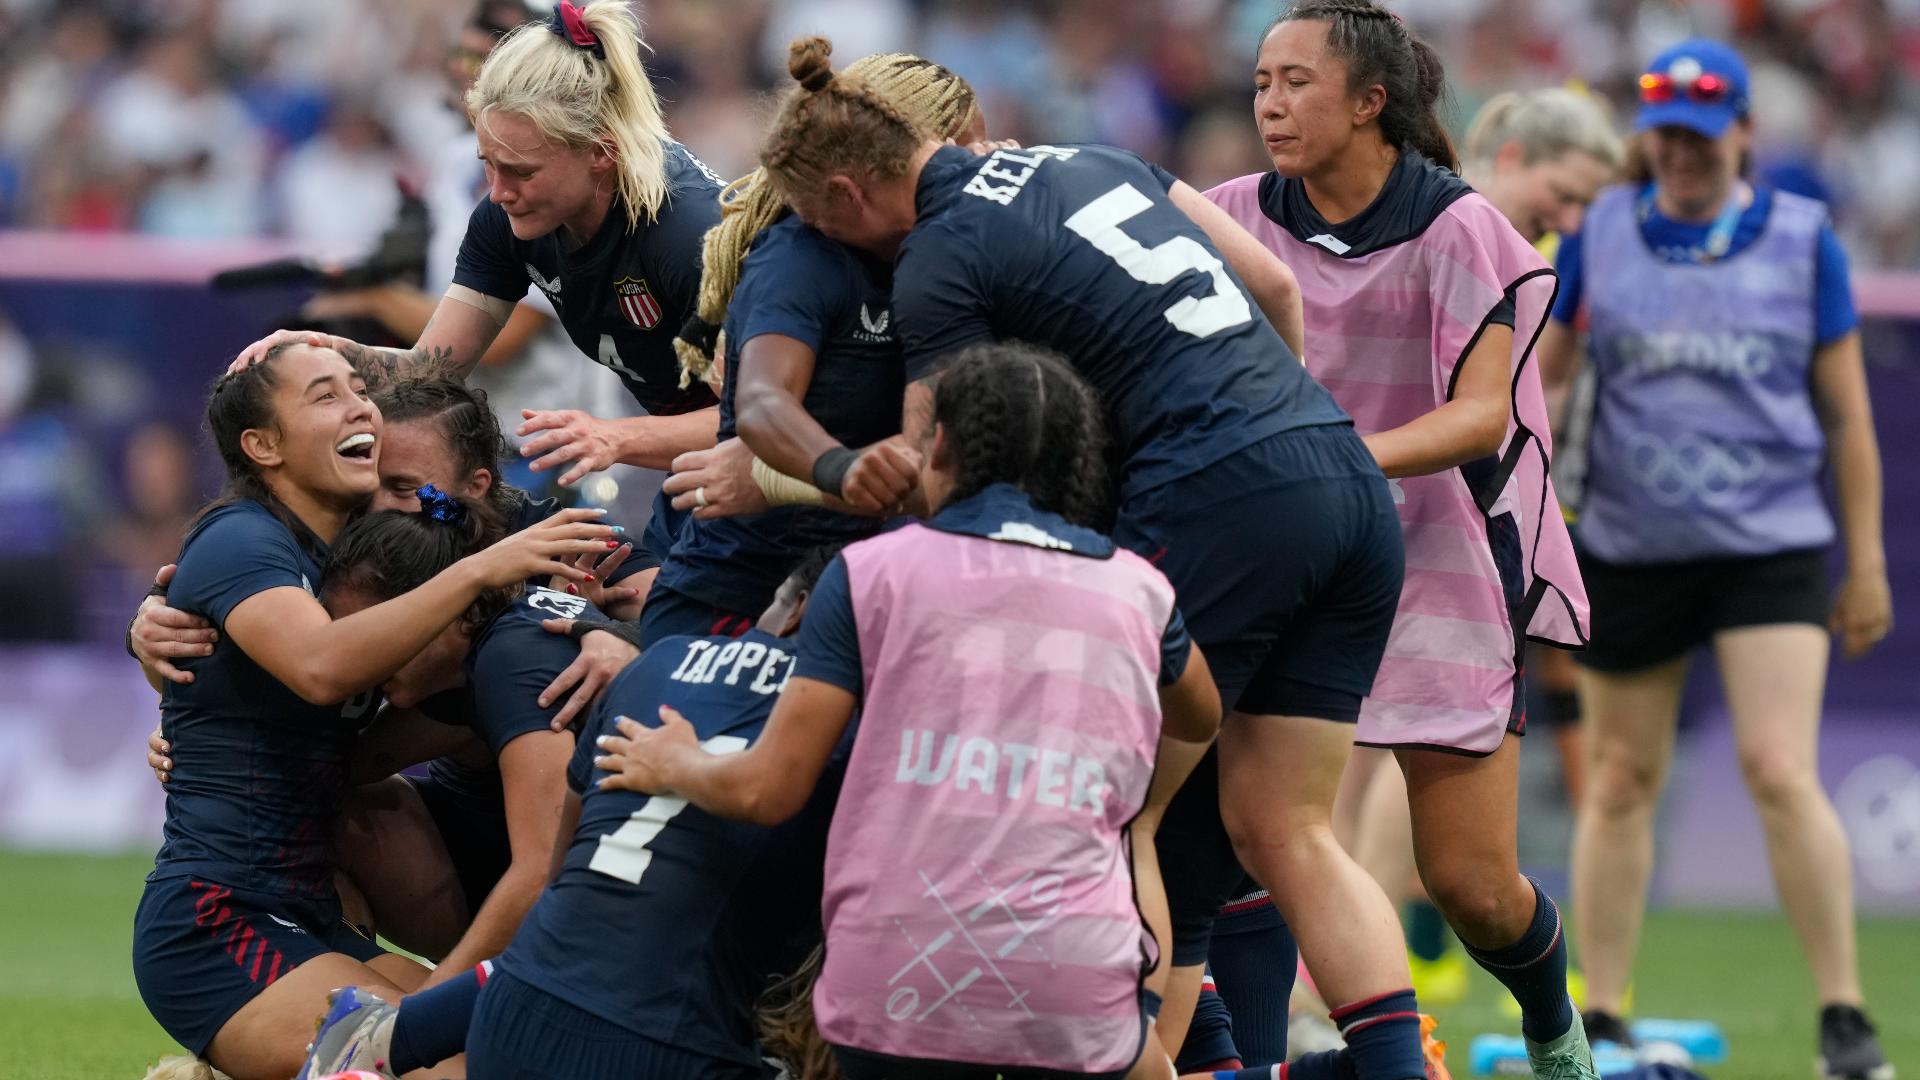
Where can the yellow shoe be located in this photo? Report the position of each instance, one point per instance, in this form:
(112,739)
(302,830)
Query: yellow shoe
(1577,990)
(1433,1049)
(1440,983)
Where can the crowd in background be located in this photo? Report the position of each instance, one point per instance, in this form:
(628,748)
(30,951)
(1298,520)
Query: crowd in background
(293,118)
(308,121)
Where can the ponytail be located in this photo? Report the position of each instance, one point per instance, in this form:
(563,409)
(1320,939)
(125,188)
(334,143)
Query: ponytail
(579,80)
(938,102)
(1381,51)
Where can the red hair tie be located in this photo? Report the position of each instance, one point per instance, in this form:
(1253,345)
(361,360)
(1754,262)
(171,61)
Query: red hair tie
(571,26)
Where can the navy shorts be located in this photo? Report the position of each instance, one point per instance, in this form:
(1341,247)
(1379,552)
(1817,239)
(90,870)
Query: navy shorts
(202,950)
(1286,560)
(475,833)
(520,1032)
(670,612)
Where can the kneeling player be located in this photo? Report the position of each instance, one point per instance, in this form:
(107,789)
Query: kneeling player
(645,955)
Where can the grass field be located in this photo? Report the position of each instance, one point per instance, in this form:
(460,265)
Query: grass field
(68,1009)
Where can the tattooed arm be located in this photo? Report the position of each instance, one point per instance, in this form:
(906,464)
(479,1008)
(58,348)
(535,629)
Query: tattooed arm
(462,327)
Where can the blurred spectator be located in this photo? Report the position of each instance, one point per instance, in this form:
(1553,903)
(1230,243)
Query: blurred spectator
(181,116)
(340,190)
(161,492)
(49,496)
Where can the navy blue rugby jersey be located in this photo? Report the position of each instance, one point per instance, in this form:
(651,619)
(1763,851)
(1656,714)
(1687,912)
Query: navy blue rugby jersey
(1080,249)
(258,773)
(623,295)
(509,662)
(834,300)
(666,920)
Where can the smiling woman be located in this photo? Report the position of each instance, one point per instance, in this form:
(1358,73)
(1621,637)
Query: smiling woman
(241,903)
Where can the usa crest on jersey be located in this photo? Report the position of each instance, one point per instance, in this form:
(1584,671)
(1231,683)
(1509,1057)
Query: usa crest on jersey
(637,303)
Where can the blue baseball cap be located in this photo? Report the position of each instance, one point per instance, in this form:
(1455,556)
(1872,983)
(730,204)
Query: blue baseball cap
(1700,85)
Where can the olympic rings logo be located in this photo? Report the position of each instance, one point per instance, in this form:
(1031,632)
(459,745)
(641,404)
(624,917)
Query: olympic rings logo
(1692,470)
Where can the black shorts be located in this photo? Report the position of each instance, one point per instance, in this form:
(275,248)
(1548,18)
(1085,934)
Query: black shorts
(1286,560)
(1648,615)
(524,1033)
(670,612)
(474,831)
(201,951)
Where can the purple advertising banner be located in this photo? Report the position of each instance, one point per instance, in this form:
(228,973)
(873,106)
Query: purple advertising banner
(73,738)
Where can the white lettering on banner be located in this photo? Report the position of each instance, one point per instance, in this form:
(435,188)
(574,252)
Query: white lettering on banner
(1075,783)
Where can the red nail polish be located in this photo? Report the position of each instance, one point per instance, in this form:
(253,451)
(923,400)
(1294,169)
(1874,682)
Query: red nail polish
(613,543)
(589,577)
(572,589)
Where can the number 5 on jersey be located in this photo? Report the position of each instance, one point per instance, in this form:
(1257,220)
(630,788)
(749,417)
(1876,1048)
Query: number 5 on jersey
(623,853)
(1099,224)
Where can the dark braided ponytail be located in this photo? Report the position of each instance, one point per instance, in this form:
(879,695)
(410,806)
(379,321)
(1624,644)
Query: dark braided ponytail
(1381,51)
(1017,414)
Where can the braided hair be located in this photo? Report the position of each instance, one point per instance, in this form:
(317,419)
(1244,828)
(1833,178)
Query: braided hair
(1381,51)
(390,552)
(472,432)
(940,102)
(940,105)
(1018,414)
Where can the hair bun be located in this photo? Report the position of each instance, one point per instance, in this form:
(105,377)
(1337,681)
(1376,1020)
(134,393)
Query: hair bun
(807,63)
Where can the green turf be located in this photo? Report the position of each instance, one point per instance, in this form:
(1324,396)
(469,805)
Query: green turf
(68,1009)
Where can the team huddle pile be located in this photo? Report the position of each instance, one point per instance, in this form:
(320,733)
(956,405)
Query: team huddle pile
(1029,570)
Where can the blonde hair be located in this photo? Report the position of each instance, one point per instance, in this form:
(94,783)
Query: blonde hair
(788,1032)
(935,102)
(578,99)
(1547,124)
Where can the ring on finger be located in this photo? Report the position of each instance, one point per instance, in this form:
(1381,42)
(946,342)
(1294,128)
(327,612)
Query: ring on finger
(700,496)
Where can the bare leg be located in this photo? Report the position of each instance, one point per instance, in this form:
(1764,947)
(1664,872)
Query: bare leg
(1629,724)
(387,844)
(267,1039)
(1278,778)
(1774,677)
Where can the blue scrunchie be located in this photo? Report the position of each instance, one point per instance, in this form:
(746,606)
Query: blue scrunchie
(440,506)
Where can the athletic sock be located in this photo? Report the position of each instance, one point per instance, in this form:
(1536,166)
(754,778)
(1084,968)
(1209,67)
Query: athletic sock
(1426,931)
(1383,1043)
(432,1024)
(1534,971)
(1209,1046)
(1254,958)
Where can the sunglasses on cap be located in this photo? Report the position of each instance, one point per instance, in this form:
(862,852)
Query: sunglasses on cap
(1658,88)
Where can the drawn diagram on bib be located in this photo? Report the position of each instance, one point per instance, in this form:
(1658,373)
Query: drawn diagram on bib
(981,936)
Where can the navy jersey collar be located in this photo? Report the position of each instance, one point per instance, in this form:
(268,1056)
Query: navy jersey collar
(1417,192)
(1005,513)
(930,193)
